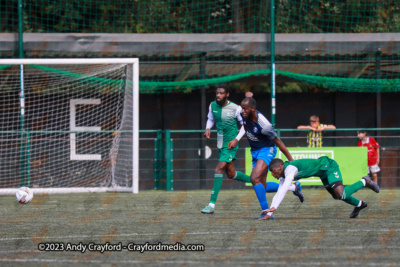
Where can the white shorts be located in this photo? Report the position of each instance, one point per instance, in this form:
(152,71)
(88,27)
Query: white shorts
(373,169)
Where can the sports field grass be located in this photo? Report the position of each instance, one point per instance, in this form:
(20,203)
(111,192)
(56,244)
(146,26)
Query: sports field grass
(315,233)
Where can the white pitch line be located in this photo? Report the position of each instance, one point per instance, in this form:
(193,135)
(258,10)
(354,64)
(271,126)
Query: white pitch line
(96,208)
(241,248)
(308,263)
(47,260)
(303,247)
(201,233)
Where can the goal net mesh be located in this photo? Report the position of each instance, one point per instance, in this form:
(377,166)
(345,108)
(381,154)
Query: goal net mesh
(76,128)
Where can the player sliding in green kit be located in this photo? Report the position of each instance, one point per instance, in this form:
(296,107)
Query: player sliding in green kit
(328,171)
(226,115)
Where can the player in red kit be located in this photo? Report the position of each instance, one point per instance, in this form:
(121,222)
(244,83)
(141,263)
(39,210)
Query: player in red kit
(373,153)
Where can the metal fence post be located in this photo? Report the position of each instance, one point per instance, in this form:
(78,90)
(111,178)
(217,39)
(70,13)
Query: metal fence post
(158,159)
(169,161)
(272,51)
(203,120)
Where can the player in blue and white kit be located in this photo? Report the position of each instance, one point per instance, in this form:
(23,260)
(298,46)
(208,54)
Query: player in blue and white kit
(226,115)
(263,141)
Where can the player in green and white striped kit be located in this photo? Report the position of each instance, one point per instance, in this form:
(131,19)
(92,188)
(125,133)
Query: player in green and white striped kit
(226,115)
(328,171)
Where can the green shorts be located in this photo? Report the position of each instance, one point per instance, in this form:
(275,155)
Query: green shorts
(332,175)
(227,155)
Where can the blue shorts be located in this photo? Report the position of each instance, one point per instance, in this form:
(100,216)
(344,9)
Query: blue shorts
(266,154)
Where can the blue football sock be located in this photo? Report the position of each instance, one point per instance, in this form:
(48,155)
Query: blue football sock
(272,187)
(262,197)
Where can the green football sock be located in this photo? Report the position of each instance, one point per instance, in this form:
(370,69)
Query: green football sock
(352,201)
(217,186)
(349,190)
(240,176)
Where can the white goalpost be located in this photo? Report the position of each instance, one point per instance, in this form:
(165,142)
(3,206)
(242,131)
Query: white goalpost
(69,125)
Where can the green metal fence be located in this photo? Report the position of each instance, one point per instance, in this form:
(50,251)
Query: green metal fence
(185,160)
(177,159)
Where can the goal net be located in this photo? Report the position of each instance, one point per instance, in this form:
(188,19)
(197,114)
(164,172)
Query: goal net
(69,125)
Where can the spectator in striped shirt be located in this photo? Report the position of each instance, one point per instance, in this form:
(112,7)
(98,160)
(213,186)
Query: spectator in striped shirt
(314,137)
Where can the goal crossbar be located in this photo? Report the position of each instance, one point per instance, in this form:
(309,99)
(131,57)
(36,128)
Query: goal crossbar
(66,61)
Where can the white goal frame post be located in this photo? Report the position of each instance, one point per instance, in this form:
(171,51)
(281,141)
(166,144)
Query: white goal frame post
(135,114)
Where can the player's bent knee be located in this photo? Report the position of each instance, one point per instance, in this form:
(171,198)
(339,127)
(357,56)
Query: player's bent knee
(255,180)
(230,175)
(333,194)
(337,190)
(336,196)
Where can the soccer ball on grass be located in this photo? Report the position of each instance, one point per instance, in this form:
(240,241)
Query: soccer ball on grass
(24,195)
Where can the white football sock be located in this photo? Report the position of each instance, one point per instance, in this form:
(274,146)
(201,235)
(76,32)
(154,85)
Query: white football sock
(212,205)
(292,188)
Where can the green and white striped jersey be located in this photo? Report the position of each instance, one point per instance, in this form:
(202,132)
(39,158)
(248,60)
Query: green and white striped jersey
(226,119)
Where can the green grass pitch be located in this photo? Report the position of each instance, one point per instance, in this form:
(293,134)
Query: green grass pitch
(317,232)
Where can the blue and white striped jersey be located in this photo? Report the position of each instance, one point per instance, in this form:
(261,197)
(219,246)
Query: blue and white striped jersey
(260,133)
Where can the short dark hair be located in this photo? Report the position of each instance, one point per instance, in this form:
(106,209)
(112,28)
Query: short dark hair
(275,163)
(363,131)
(224,86)
(314,118)
(251,101)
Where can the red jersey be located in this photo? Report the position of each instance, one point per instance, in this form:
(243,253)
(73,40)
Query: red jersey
(372,146)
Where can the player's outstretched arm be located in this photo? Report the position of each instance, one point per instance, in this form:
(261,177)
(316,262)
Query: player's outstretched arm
(281,193)
(284,184)
(283,148)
